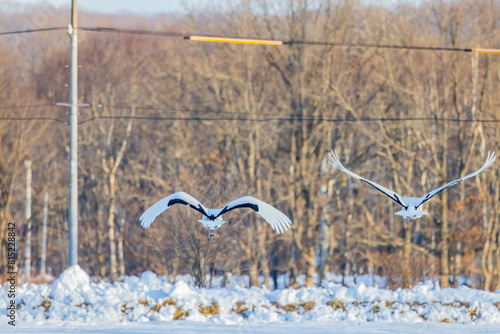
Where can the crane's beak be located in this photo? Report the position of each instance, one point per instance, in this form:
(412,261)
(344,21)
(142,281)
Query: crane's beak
(211,233)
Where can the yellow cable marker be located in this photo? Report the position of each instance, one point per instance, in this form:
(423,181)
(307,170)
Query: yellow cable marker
(486,50)
(233,40)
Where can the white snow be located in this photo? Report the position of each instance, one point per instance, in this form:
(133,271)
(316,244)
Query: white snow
(150,303)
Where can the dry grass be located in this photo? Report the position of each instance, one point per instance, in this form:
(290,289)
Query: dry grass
(336,304)
(446,320)
(308,306)
(210,310)
(125,309)
(84,304)
(180,314)
(169,302)
(454,304)
(156,308)
(376,309)
(46,305)
(474,313)
(388,303)
(240,309)
(286,308)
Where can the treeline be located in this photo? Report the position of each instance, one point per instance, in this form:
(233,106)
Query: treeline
(221,121)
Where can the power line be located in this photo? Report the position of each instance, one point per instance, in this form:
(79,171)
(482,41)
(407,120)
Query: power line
(33,119)
(258,41)
(133,31)
(30,31)
(291,119)
(257,119)
(28,106)
(235,116)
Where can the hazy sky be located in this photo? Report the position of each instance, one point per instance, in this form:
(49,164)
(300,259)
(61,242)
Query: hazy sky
(146,6)
(117,6)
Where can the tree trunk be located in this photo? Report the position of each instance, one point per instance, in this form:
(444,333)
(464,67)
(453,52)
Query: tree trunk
(444,277)
(100,255)
(406,272)
(254,274)
(323,240)
(121,262)
(44,236)
(27,215)
(111,229)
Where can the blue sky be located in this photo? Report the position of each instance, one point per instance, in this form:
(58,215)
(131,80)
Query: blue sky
(119,6)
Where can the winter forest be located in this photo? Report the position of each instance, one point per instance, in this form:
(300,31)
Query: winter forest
(220,121)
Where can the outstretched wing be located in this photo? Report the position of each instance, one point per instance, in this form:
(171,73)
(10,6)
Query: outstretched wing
(180,197)
(489,162)
(334,160)
(277,219)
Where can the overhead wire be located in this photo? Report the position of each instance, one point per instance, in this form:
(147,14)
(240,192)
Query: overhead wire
(288,119)
(133,31)
(34,118)
(266,117)
(31,30)
(27,106)
(232,116)
(259,41)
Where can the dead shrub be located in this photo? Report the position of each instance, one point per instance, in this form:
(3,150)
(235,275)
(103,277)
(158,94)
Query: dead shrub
(286,308)
(336,304)
(240,309)
(46,305)
(180,314)
(308,306)
(210,310)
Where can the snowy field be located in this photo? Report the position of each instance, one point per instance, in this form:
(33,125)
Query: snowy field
(151,304)
(308,327)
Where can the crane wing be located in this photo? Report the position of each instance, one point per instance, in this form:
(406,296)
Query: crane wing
(489,162)
(335,161)
(277,219)
(180,197)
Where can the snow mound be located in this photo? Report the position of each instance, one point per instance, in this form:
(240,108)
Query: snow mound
(73,297)
(72,287)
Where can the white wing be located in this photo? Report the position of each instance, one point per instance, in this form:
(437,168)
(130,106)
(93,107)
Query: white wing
(180,197)
(334,160)
(277,219)
(489,162)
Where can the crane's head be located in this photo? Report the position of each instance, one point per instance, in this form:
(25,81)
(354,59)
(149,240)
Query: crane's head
(211,225)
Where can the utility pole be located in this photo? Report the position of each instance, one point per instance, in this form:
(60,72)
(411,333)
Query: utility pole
(44,235)
(27,215)
(73,100)
(73,147)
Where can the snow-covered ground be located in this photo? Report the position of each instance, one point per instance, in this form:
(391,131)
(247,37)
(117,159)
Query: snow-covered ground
(152,304)
(308,327)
